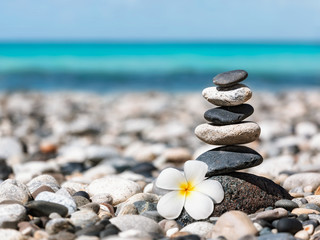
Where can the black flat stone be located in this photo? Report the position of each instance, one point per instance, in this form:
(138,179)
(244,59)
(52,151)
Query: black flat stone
(228,159)
(228,115)
(230,78)
(290,225)
(44,208)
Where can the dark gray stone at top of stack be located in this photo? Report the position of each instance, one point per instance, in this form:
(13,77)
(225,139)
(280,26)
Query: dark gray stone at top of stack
(230,78)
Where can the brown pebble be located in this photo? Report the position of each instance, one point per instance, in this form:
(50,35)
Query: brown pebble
(93,206)
(27,228)
(43,188)
(40,235)
(48,148)
(272,214)
(317,192)
(179,234)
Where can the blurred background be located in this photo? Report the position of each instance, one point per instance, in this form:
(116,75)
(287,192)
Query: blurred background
(134,45)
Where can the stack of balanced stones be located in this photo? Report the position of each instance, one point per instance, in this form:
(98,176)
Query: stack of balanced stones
(227,126)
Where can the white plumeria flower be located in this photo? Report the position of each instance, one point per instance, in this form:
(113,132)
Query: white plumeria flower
(189,190)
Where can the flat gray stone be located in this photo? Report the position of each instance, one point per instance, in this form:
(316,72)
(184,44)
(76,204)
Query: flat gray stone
(241,133)
(228,159)
(227,96)
(228,115)
(230,78)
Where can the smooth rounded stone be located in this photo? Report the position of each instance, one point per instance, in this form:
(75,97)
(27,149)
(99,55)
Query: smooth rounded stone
(177,155)
(66,201)
(270,215)
(5,170)
(264,231)
(286,204)
(136,234)
(82,194)
(277,236)
(241,133)
(228,115)
(302,180)
(228,159)
(80,201)
(241,191)
(11,214)
(11,189)
(84,237)
(44,208)
(57,225)
(84,218)
(202,229)
(99,171)
(299,211)
(315,199)
(138,222)
(302,234)
(230,78)
(227,96)
(102,198)
(290,225)
(309,228)
(185,236)
(43,180)
(120,189)
(233,225)
(10,234)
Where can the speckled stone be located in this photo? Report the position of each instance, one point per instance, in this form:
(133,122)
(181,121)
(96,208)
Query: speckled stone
(241,133)
(227,96)
(244,192)
(227,159)
(228,115)
(230,78)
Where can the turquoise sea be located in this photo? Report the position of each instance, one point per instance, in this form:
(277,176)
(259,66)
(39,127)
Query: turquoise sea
(105,67)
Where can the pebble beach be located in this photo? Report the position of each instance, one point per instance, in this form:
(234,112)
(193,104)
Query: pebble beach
(79,165)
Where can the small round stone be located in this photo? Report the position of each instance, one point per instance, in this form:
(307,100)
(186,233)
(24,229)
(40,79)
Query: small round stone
(230,78)
(82,194)
(229,114)
(286,204)
(290,225)
(227,96)
(240,133)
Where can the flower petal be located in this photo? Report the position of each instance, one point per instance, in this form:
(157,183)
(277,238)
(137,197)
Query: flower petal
(170,179)
(212,188)
(195,171)
(170,205)
(198,205)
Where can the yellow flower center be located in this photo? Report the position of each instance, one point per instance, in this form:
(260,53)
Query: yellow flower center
(186,188)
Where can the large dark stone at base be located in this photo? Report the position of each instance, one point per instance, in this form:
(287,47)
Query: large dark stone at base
(227,159)
(245,192)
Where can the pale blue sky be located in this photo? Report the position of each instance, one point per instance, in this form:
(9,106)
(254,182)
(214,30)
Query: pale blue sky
(158,20)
